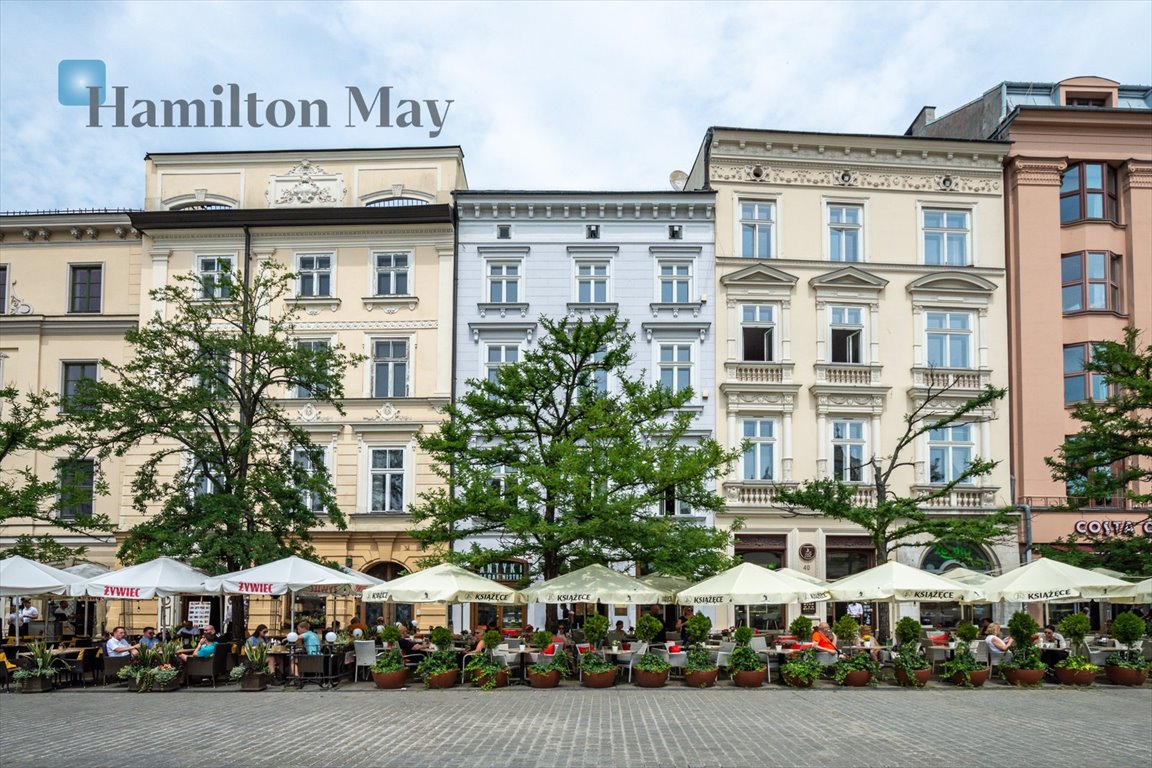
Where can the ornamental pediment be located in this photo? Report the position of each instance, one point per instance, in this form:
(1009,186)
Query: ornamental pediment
(306,186)
(759,276)
(849,277)
(952,282)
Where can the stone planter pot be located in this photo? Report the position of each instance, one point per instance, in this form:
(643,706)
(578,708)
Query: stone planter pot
(133,684)
(916,679)
(1075,676)
(977,677)
(857,679)
(173,685)
(1024,676)
(36,685)
(443,680)
(598,679)
(701,679)
(649,679)
(1126,675)
(547,680)
(752,679)
(390,680)
(797,683)
(501,681)
(254,681)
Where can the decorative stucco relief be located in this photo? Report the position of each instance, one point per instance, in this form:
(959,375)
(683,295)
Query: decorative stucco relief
(751,173)
(1139,175)
(306,185)
(1037,172)
(365,325)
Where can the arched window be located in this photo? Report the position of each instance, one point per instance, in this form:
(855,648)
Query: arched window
(396,202)
(952,554)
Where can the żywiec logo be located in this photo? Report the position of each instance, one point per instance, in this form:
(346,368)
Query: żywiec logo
(83,82)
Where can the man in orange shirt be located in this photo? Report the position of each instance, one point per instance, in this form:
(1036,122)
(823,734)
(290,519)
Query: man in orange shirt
(824,638)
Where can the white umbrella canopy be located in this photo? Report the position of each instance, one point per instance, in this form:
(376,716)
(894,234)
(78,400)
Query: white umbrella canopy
(967,576)
(290,574)
(1050,581)
(444,583)
(20,576)
(87,570)
(807,578)
(162,577)
(750,584)
(902,583)
(595,584)
(1135,594)
(670,584)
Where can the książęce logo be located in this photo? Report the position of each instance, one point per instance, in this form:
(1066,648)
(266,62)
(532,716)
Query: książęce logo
(84,82)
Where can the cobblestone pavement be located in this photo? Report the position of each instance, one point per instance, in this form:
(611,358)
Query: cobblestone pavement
(356,725)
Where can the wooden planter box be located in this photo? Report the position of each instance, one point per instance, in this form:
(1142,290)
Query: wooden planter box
(753,679)
(598,679)
(1126,675)
(857,679)
(254,682)
(978,677)
(701,679)
(649,679)
(1024,676)
(547,680)
(390,680)
(443,680)
(917,679)
(36,685)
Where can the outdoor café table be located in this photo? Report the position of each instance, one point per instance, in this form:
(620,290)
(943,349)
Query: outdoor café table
(937,653)
(523,652)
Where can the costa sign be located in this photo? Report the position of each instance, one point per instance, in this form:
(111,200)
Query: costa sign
(1113,527)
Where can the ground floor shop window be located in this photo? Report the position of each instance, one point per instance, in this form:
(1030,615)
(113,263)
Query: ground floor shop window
(766,616)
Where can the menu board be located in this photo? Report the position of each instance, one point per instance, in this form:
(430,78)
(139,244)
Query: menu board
(200,613)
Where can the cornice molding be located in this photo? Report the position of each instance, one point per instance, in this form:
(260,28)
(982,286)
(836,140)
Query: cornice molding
(844,175)
(1037,172)
(1139,175)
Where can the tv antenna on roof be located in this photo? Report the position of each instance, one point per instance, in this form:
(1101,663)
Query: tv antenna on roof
(678,179)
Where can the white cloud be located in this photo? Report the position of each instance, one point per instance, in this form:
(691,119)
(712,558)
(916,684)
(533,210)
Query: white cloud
(547,95)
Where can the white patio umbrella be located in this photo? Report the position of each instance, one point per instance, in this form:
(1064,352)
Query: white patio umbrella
(20,576)
(595,584)
(162,577)
(751,584)
(444,583)
(801,576)
(670,584)
(1051,581)
(1140,592)
(967,576)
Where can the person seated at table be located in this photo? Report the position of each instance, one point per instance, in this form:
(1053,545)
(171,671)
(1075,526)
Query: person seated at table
(205,648)
(258,637)
(994,643)
(869,641)
(187,634)
(118,646)
(149,639)
(354,624)
(824,638)
(681,624)
(1057,649)
(526,634)
(617,635)
(309,638)
(381,623)
(410,647)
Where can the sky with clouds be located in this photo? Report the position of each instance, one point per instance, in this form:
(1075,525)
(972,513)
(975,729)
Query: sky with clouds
(589,95)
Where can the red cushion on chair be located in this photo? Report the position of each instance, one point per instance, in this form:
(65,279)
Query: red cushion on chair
(673,649)
(939,640)
(551,649)
(627,646)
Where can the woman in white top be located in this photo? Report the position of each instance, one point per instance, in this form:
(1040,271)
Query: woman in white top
(992,638)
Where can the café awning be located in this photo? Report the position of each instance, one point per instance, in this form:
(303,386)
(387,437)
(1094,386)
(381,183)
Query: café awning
(444,583)
(21,577)
(289,574)
(901,583)
(595,584)
(1051,581)
(751,584)
(162,577)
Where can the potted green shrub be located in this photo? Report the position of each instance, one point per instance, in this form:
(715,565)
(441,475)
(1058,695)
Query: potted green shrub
(1025,666)
(801,629)
(650,670)
(802,669)
(389,672)
(390,635)
(963,669)
(486,671)
(1127,667)
(744,664)
(911,668)
(595,670)
(37,675)
(699,669)
(1076,669)
(547,674)
(855,671)
(846,630)
(252,672)
(439,668)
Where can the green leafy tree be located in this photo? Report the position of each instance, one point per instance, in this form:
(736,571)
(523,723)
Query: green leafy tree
(227,479)
(1110,458)
(892,520)
(562,475)
(29,424)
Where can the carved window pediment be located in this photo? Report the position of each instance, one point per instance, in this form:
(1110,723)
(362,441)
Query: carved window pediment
(849,277)
(951,282)
(759,275)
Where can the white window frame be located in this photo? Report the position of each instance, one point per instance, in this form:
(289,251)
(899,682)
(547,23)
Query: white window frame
(675,279)
(327,341)
(91,488)
(844,324)
(969,230)
(950,336)
(393,270)
(592,279)
(64,394)
(758,441)
(72,267)
(370,351)
(848,443)
(316,273)
(201,273)
(487,367)
(773,224)
(369,474)
(830,226)
(504,279)
(675,365)
(671,506)
(309,500)
(772,352)
(945,441)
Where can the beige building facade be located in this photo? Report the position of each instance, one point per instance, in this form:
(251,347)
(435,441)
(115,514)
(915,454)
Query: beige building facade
(857,276)
(1078,200)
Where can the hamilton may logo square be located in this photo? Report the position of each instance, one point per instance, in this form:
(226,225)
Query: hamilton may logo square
(83,82)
